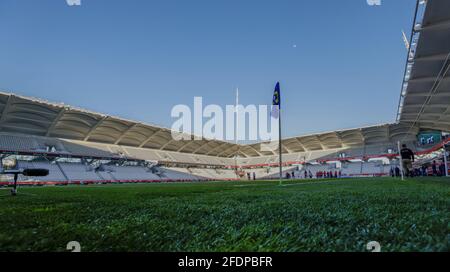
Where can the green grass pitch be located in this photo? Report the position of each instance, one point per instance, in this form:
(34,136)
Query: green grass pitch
(339,215)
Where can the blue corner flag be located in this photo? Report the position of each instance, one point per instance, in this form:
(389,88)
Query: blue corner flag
(276,103)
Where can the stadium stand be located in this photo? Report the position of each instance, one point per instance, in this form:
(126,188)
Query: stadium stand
(55,173)
(177,166)
(273,173)
(130,173)
(78,172)
(16,143)
(182,174)
(81,172)
(88,149)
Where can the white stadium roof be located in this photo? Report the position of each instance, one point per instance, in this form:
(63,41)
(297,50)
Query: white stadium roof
(425,100)
(371,135)
(32,116)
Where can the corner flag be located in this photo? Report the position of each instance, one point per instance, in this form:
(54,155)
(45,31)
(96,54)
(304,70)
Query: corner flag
(276,102)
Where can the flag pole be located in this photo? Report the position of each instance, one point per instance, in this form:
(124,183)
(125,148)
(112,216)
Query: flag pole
(237,129)
(276,111)
(279,146)
(280,151)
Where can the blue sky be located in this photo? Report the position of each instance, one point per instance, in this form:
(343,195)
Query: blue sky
(138,58)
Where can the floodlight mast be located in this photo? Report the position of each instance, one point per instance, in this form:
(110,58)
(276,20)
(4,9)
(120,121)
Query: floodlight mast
(405,40)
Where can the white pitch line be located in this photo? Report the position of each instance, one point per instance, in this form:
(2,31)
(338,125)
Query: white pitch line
(292,184)
(307,183)
(251,185)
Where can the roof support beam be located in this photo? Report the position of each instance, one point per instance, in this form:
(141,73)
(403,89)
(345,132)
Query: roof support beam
(150,137)
(233,154)
(199,148)
(242,153)
(388,133)
(217,147)
(228,149)
(6,109)
(287,149)
(301,144)
(125,133)
(321,144)
(254,149)
(166,144)
(269,149)
(185,145)
(91,131)
(55,121)
(447,111)
(341,141)
(363,137)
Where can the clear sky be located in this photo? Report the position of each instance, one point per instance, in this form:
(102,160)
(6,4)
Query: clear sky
(340,63)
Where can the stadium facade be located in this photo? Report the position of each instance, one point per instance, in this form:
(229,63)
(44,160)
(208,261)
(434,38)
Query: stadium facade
(81,146)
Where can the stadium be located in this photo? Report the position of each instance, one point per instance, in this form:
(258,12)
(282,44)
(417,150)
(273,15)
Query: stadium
(121,185)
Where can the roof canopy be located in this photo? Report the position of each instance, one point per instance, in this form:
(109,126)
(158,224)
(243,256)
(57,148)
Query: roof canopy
(37,117)
(373,135)
(426,95)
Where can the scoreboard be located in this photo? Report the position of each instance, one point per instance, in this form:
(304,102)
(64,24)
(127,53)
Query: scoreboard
(428,138)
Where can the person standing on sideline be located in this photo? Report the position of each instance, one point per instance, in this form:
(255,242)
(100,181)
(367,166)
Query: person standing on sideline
(434,168)
(424,171)
(407,159)
(442,169)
